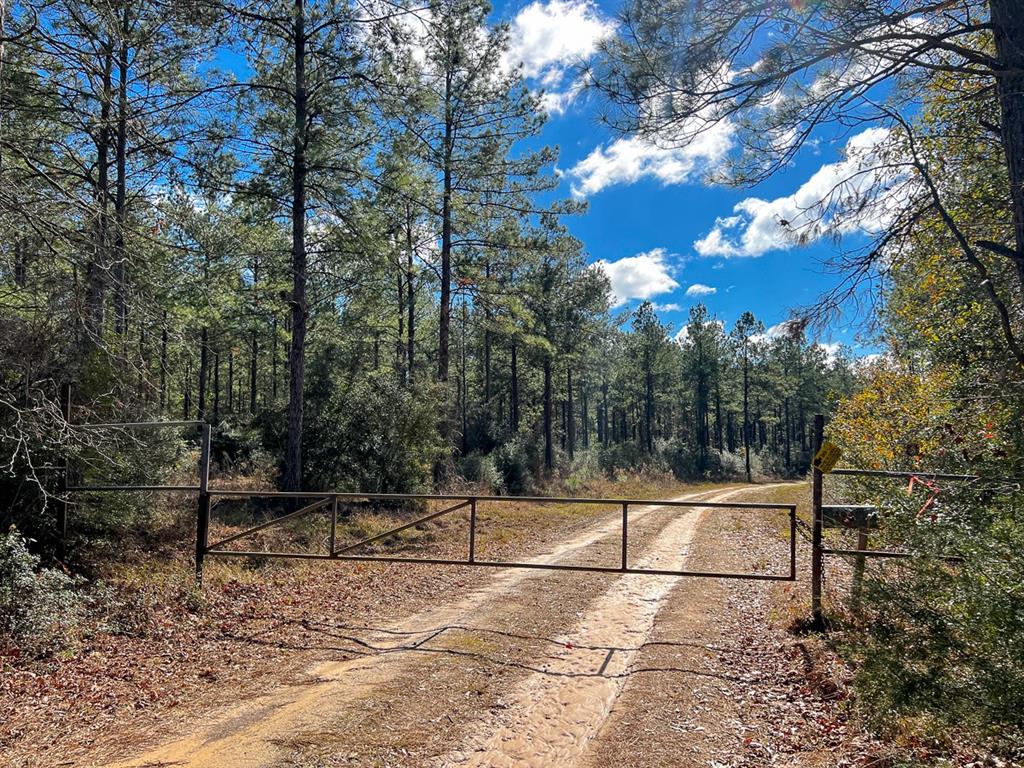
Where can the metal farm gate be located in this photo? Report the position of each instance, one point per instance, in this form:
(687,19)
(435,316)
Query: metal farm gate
(327,503)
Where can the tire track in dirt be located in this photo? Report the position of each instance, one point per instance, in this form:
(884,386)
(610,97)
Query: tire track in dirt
(261,732)
(558,710)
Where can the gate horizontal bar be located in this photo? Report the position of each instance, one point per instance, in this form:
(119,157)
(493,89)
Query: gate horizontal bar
(138,424)
(849,472)
(169,488)
(888,554)
(498,564)
(467,498)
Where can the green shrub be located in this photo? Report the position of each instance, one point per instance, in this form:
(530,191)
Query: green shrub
(373,435)
(477,468)
(938,642)
(585,466)
(40,609)
(626,456)
(513,463)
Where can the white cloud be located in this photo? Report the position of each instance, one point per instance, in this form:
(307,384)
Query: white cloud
(831,350)
(670,307)
(699,289)
(557,102)
(683,335)
(639,277)
(630,159)
(792,328)
(827,203)
(548,39)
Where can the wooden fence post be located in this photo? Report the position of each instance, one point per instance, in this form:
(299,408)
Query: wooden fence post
(817,617)
(203,515)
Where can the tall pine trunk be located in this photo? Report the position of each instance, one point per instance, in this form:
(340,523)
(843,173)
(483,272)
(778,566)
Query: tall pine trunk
(570,414)
(649,411)
(216,386)
(163,364)
(297,348)
(514,382)
(96,271)
(410,303)
(549,448)
(1008,34)
(445,309)
(120,197)
(746,411)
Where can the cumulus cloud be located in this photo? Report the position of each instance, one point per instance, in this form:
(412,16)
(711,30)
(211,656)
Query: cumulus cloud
(639,277)
(791,328)
(627,160)
(831,350)
(829,202)
(699,289)
(683,334)
(670,307)
(547,39)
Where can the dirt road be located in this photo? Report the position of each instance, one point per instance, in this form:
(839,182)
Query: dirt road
(529,669)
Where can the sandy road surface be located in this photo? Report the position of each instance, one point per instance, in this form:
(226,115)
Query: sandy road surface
(522,671)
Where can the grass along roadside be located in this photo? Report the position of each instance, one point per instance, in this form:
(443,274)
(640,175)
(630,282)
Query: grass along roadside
(189,647)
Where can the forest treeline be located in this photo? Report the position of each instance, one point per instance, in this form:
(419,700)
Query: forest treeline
(330,230)
(934,639)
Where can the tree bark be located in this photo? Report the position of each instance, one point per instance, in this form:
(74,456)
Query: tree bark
(746,410)
(549,449)
(120,197)
(410,287)
(604,437)
(216,386)
(649,411)
(464,383)
(401,370)
(444,322)
(514,377)
(163,364)
(1008,33)
(231,379)
(297,348)
(585,414)
(204,363)
(570,414)
(96,271)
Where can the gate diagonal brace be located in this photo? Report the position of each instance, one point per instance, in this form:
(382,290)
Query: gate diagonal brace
(399,529)
(284,518)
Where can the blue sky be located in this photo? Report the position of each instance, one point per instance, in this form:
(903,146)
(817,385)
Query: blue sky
(651,221)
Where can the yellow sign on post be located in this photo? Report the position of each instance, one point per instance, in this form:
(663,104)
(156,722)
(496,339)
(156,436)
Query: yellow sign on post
(826,458)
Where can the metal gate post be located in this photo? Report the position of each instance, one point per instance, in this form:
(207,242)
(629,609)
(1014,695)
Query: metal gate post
(203,515)
(334,524)
(817,617)
(625,535)
(472,530)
